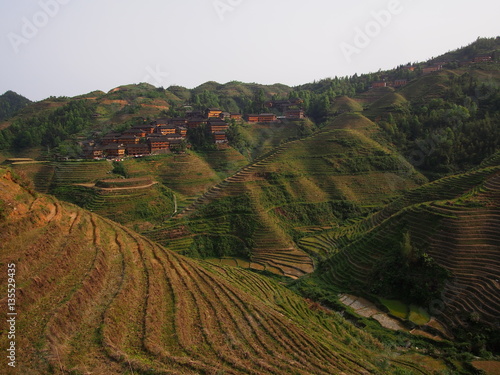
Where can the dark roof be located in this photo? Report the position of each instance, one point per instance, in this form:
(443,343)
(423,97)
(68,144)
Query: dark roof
(267,114)
(113,146)
(137,145)
(159,139)
(218,123)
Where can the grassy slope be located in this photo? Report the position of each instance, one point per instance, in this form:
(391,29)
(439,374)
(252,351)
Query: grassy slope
(184,176)
(96,297)
(345,161)
(454,219)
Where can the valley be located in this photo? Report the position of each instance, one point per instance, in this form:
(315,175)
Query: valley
(350,226)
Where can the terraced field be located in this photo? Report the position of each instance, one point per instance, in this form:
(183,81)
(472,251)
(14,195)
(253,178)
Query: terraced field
(454,219)
(344,161)
(96,297)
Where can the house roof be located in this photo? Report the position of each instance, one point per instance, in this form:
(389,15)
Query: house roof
(173,136)
(114,146)
(159,139)
(218,123)
(140,145)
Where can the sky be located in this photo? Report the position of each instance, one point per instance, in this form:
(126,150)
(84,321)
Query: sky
(72,47)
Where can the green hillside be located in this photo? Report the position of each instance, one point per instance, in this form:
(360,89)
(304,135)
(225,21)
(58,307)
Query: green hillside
(340,172)
(435,247)
(10,103)
(98,298)
(379,202)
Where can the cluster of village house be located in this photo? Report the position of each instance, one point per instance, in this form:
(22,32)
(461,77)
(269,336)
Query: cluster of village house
(167,135)
(427,70)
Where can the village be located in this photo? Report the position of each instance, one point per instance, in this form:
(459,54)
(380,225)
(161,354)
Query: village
(431,68)
(166,135)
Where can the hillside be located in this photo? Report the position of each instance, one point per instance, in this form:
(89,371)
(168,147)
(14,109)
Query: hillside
(94,297)
(340,240)
(258,214)
(436,247)
(10,103)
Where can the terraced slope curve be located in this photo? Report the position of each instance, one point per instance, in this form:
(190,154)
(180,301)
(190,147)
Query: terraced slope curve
(95,297)
(346,162)
(461,233)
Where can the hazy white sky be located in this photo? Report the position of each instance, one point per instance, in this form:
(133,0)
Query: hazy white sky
(71,47)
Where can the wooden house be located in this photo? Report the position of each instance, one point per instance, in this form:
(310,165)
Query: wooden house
(173,137)
(196,122)
(141,133)
(379,84)
(93,152)
(213,112)
(433,68)
(158,143)
(252,118)
(483,58)
(181,130)
(267,117)
(111,138)
(161,122)
(295,114)
(149,129)
(114,150)
(167,129)
(194,114)
(220,137)
(129,140)
(236,116)
(400,82)
(218,126)
(139,149)
(177,121)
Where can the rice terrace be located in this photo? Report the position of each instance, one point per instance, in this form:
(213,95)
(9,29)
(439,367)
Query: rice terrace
(345,226)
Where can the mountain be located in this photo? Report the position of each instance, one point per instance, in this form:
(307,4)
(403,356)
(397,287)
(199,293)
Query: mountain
(10,103)
(436,246)
(380,206)
(94,296)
